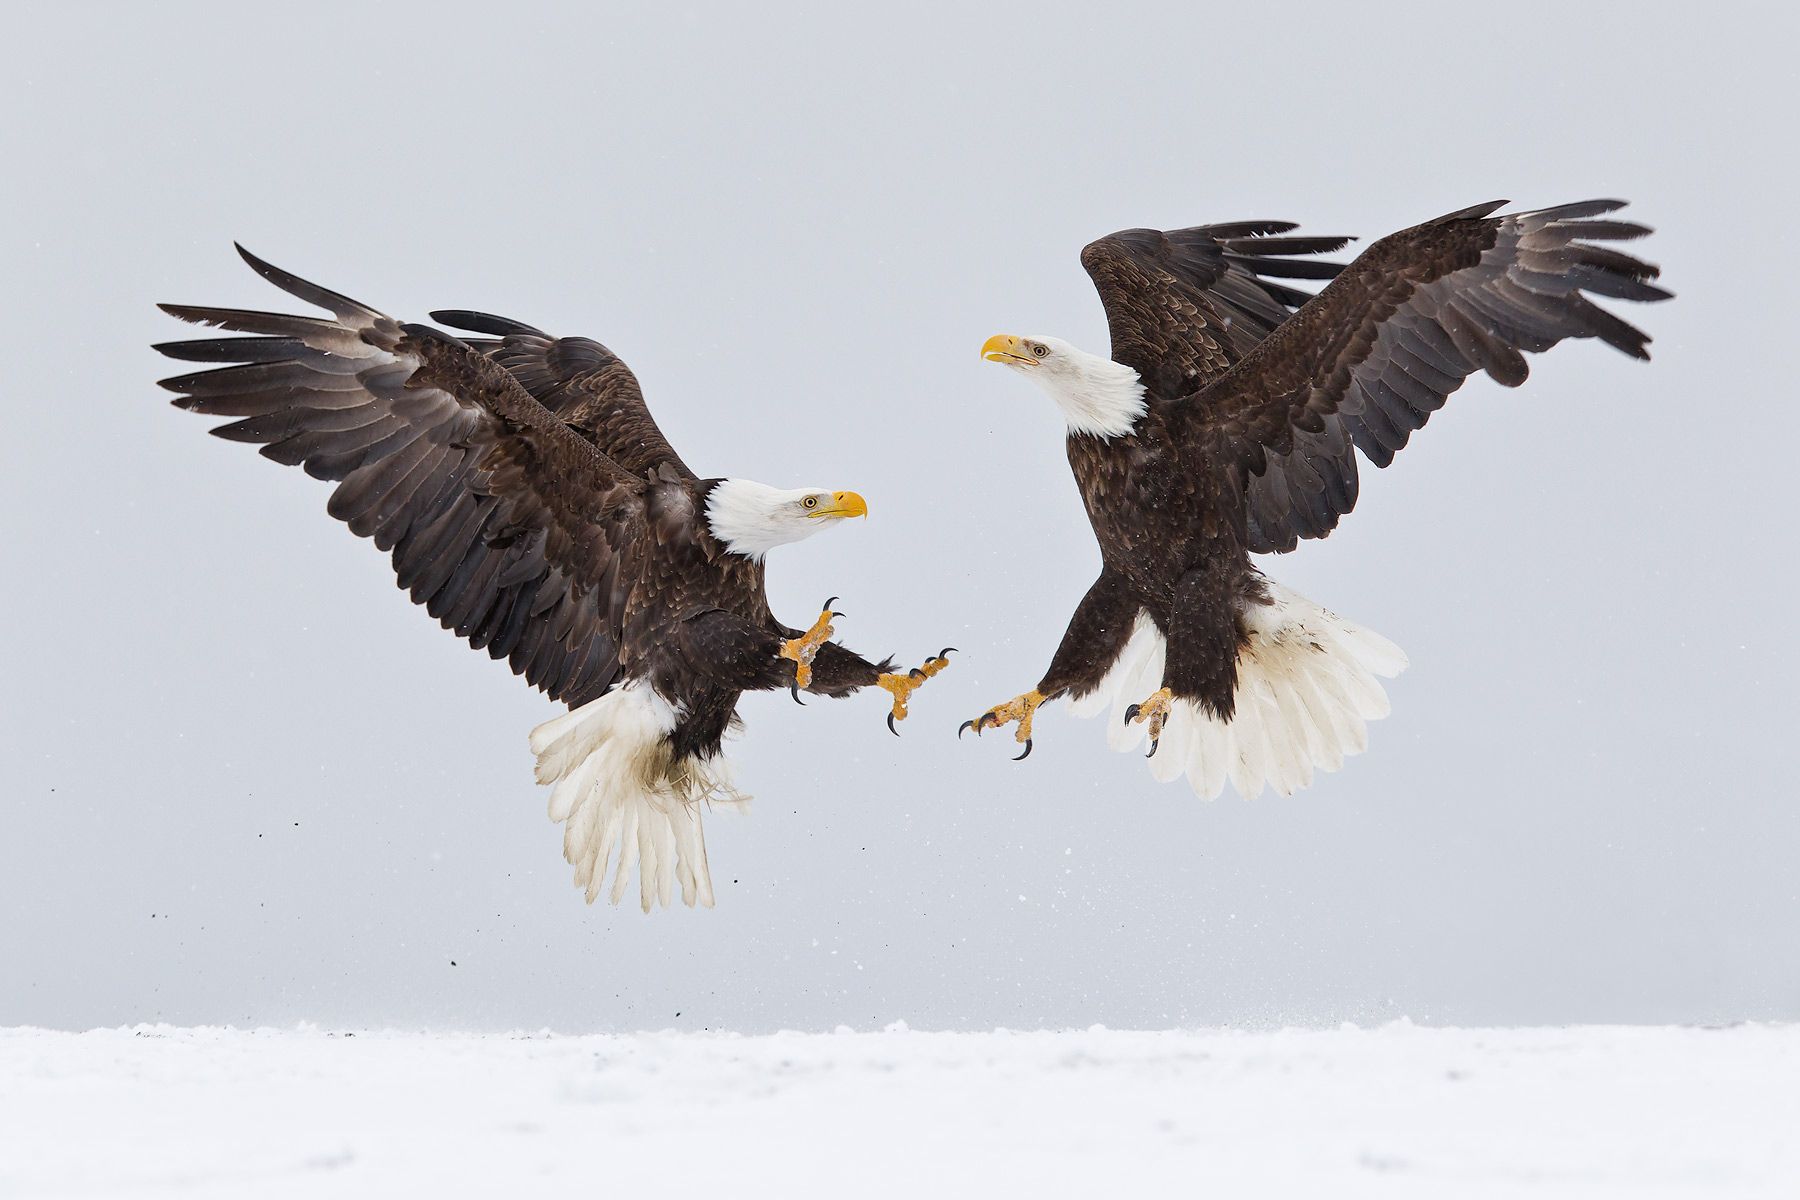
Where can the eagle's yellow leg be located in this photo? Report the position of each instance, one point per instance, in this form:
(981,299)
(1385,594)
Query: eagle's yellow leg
(1020,708)
(1155,710)
(803,649)
(902,686)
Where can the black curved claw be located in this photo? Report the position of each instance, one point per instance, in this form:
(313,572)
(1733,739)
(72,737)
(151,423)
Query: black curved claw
(963,728)
(1154,743)
(946,652)
(916,673)
(1025,753)
(1131,713)
(826,607)
(794,691)
(891,728)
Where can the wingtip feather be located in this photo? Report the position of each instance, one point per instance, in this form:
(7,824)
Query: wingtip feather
(1472,213)
(480,322)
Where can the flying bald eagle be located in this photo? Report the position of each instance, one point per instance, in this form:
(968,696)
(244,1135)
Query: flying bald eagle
(1226,423)
(531,504)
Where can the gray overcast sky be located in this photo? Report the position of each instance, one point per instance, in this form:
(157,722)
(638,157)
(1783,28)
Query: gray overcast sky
(245,781)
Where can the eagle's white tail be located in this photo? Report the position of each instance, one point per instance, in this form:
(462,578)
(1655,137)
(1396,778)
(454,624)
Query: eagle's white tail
(1306,688)
(623,803)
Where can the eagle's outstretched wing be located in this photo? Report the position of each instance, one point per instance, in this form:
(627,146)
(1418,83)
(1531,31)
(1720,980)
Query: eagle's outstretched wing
(1185,306)
(1373,355)
(512,530)
(579,380)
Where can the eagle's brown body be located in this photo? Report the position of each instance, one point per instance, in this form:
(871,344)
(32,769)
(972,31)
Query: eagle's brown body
(684,613)
(1171,547)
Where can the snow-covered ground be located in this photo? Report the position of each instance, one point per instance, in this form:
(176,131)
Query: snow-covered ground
(1395,1111)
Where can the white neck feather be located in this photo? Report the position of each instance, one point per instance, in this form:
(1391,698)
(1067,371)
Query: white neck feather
(1097,395)
(749,517)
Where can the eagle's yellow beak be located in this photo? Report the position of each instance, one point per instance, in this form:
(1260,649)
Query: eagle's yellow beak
(1005,348)
(843,504)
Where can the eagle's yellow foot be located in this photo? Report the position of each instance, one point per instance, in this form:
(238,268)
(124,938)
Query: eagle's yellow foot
(905,685)
(1155,710)
(1019,708)
(803,649)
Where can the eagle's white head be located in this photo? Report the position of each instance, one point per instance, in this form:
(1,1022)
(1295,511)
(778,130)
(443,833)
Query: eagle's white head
(753,518)
(1097,395)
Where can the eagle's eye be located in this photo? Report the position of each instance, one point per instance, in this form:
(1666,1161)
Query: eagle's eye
(1040,351)
(811,502)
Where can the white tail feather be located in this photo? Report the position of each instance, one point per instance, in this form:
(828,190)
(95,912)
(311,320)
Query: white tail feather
(624,804)
(1307,686)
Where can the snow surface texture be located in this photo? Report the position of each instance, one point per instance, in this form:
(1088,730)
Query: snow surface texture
(1395,1111)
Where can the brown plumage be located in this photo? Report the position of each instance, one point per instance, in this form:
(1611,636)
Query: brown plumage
(1228,420)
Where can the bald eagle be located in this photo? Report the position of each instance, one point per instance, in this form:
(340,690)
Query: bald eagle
(1226,423)
(530,503)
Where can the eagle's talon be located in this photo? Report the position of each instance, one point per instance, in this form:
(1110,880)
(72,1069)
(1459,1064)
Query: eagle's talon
(802,650)
(1020,708)
(1155,711)
(901,687)
(1025,753)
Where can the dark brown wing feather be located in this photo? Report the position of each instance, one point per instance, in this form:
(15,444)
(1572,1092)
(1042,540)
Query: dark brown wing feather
(512,531)
(1184,306)
(1368,360)
(582,382)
